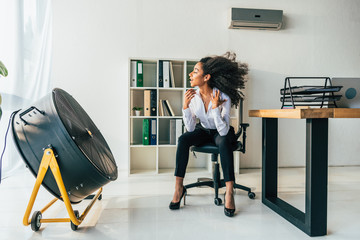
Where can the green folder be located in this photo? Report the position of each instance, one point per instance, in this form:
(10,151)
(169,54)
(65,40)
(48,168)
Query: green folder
(146,137)
(140,75)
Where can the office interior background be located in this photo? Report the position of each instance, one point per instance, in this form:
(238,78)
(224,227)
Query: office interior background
(92,41)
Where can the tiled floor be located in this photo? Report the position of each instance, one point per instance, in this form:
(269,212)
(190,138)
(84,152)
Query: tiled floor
(136,207)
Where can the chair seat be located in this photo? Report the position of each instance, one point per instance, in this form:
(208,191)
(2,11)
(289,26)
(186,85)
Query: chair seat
(212,148)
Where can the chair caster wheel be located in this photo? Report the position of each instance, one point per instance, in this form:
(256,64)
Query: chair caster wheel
(217,201)
(35,221)
(73,226)
(251,195)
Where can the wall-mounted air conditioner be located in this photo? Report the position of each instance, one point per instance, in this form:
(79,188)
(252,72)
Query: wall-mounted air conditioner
(246,18)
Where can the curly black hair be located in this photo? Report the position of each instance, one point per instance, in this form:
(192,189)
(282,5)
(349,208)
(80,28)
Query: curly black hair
(226,74)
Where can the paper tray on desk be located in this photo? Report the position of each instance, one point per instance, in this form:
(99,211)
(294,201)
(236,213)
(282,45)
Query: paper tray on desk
(310,89)
(311,98)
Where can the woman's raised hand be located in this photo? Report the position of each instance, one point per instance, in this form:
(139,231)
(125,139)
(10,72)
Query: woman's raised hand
(189,94)
(216,100)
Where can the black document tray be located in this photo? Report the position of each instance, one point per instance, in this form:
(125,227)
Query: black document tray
(310,89)
(311,98)
(309,95)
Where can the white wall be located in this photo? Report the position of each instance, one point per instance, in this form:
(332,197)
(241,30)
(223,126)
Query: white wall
(93,40)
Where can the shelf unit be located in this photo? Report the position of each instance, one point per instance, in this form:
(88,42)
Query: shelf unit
(160,158)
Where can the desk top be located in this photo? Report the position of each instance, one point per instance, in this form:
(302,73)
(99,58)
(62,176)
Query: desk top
(307,113)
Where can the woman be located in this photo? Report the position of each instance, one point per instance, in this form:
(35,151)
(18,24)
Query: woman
(219,80)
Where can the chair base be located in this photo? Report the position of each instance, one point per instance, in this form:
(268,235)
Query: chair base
(217,183)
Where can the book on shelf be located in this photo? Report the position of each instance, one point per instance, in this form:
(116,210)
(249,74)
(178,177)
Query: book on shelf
(175,131)
(145,132)
(140,75)
(166,111)
(161,109)
(179,129)
(161,74)
(133,73)
(170,108)
(152,132)
(166,74)
(149,102)
(172,132)
(172,79)
(153,100)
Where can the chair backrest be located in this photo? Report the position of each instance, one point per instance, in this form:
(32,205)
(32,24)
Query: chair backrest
(241,130)
(240,112)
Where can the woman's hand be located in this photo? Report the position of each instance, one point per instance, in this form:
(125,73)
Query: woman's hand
(215,99)
(189,94)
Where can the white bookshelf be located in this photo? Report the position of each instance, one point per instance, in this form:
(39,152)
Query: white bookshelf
(160,158)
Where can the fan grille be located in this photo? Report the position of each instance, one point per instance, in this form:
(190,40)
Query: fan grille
(84,133)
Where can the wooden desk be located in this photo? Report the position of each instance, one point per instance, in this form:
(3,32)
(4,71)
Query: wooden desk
(314,221)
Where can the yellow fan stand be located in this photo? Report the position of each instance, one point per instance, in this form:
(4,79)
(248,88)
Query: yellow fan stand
(75,220)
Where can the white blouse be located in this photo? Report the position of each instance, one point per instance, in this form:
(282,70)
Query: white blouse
(218,118)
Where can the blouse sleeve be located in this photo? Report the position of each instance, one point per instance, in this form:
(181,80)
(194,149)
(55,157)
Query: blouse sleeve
(189,119)
(221,117)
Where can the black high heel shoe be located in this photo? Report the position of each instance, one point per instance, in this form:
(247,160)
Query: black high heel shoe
(228,211)
(176,205)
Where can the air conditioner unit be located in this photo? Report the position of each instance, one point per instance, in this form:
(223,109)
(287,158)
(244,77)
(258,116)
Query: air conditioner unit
(246,18)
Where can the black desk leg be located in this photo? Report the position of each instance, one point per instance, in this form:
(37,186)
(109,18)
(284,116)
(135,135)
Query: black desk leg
(314,221)
(316,176)
(270,158)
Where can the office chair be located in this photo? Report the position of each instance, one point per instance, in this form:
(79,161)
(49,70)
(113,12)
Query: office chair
(211,148)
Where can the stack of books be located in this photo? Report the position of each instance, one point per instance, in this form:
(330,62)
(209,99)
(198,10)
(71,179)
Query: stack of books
(165,108)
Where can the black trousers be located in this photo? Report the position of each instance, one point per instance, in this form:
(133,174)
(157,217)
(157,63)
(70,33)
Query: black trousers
(201,136)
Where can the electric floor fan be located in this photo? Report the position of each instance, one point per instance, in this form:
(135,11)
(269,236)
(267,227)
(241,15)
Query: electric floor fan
(66,153)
